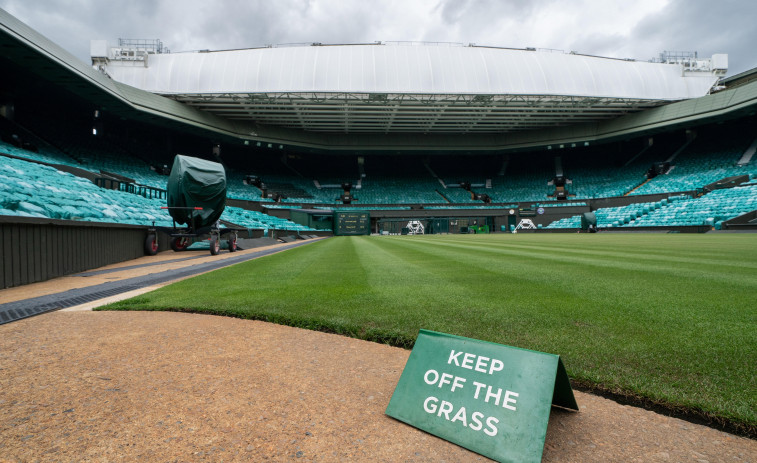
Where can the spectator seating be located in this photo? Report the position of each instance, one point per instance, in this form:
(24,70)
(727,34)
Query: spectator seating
(43,154)
(29,189)
(711,209)
(709,158)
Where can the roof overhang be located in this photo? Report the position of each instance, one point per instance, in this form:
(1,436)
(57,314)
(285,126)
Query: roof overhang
(415,113)
(421,88)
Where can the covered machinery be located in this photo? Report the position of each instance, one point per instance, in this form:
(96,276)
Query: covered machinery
(196,191)
(196,197)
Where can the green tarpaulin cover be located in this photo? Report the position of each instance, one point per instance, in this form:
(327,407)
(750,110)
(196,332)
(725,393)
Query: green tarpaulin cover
(196,182)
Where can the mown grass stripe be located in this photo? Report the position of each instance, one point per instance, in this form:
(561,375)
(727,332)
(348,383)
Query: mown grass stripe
(662,248)
(690,269)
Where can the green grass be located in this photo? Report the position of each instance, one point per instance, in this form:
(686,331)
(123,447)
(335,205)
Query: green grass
(670,320)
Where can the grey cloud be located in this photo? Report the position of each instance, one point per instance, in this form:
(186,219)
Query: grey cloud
(484,13)
(451,11)
(600,45)
(708,27)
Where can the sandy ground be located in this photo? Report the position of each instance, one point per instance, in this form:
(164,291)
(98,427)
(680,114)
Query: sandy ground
(153,386)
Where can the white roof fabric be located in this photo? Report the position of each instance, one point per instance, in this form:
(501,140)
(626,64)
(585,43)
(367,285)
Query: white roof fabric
(416,69)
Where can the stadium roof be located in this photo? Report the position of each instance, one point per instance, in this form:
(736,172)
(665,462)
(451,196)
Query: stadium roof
(399,87)
(37,61)
(742,78)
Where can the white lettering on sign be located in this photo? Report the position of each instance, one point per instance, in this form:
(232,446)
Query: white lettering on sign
(509,400)
(433,406)
(481,364)
(458,382)
(491,395)
(475,362)
(496,395)
(432,377)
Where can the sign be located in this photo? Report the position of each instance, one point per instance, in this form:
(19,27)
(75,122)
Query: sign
(489,398)
(352,222)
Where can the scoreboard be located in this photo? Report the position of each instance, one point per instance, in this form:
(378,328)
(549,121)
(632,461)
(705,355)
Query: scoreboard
(352,223)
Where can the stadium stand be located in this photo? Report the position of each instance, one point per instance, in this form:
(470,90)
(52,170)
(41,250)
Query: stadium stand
(28,146)
(33,189)
(595,174)
(392,183)
(257,220)
(571,222)
(30,189)
(711,209)
(525,179)
(712,156)
(106,152)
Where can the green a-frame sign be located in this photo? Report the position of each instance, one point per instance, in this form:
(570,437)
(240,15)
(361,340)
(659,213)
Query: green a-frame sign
(489,398)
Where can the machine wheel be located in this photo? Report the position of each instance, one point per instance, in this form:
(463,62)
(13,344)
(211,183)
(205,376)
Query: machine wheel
(179,243)
(151,244)
(233,243)
(215,245)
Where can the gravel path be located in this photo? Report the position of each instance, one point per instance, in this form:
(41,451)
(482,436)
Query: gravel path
(127,386)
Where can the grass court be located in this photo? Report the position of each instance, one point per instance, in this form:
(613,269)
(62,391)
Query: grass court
(664,319)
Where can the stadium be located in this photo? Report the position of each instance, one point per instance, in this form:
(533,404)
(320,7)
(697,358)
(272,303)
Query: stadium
(593,198)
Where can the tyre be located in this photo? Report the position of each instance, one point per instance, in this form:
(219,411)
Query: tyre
(215,245)
(151,244)
(179,243)
(233,244)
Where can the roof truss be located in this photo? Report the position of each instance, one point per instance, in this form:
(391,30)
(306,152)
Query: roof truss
(421,113)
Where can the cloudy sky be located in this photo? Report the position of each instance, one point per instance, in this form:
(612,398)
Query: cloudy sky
(638,29)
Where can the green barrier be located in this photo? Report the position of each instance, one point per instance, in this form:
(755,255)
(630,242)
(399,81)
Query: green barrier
(489,398)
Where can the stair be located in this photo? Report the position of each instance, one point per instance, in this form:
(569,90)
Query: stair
(747,156)
(637,156)
(638,186)
(680,150)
